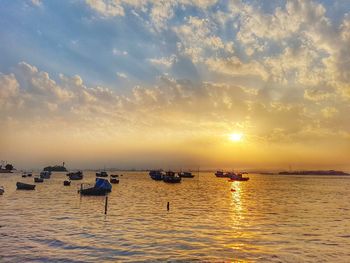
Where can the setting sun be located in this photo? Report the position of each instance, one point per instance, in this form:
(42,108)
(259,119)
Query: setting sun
(236,137)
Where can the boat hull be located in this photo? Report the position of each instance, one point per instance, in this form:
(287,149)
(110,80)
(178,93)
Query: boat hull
(23,186)
(38,180)
(93,191)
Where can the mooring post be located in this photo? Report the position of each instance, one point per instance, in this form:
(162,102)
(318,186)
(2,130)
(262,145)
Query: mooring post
(106,205)
(168,206)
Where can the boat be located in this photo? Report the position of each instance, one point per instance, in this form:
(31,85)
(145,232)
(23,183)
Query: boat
(237,177)
(8,168)
(23,186)
(38,180)
(2,190)
(222,174)
(156,175)
(45,174)
(171,177)
(29,174)
(114,180)
(186,174)
(101,187)
(24,175)
(66,183)
(114,176)
(75,175)
(102,174)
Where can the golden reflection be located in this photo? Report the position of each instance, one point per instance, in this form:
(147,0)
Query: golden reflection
(237,207)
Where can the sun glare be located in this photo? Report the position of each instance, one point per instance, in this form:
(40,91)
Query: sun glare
(236,137)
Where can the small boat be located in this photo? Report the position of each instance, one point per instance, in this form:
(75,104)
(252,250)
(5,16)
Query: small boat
(237,177)
(38,180)
(29,174)
(114,176)
(171,177)
(66,183)
(156,175)
(2,190)
(102,174)
(75,175)
(101,187)
(24,175)
(45,174)
(114,180)
(221,174)
(186,174)
(23,186)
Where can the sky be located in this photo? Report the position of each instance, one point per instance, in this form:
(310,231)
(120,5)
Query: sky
(176,84)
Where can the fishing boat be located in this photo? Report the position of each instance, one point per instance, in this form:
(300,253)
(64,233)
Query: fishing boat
(171,177)
(45,174)
(102,174)
(114,180)
(221,174)
(38,180)
(75,175)
(23,186)
(156,175)
(2,190)
(101,187)
(237,177)
(186,174)
(66,183)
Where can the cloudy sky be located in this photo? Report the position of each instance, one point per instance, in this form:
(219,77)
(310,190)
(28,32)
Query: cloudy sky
(142,83)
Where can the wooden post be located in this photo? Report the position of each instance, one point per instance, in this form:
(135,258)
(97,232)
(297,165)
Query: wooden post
(168,206)
(106,205)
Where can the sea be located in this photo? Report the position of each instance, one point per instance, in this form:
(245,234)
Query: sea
(270,218)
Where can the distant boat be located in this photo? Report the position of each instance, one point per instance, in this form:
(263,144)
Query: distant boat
(38,180)
(66,183)
(102,174)
(23,186)
(156,175)
(29,174)
(101,187)
(186,174)
(2,190)
(8,168)
(75,175)
(114,180)
(237,177)
(45,174)
(221,174)
(24,175)
(114,176)
(171,177)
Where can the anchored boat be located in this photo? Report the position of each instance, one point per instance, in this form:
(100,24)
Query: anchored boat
(186,174)
(38,180)
(171,177)
(156,175)
(45,174)
(237,177)
(101,187)
(75,175)
(102,174)
(23,186)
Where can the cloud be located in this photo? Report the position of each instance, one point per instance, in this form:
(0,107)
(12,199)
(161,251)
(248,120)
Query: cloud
(121,75)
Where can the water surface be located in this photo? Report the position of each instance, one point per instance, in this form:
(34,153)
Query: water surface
(270,218)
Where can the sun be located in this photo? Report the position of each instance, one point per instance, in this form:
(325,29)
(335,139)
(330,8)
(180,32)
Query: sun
(236,137)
